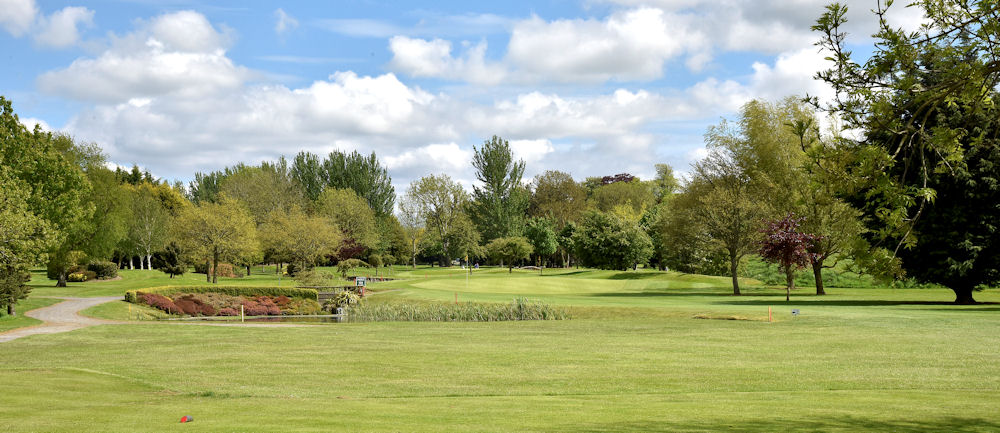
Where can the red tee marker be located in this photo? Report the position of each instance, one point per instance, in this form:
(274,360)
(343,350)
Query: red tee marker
(186,418)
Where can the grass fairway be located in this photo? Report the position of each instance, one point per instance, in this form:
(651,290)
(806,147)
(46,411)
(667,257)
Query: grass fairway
(633,358)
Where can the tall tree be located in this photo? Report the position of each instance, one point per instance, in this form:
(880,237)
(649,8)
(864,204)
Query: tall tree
(925,104)
(217,231)
(352,215)
(58,187)
(556,195)
(509,250)
(440,201)
(263,189)
(307,171)
(665,185)
(365,175)
(149,226)
(299,238)
(24,237)
(413,224)
(542,235)
(498,207)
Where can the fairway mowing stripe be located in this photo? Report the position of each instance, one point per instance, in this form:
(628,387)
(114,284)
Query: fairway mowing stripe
(668,393)
(94,372)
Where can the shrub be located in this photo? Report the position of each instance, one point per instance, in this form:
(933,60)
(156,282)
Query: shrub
(291,269)
(159,302)
(193,306)
(228,312)
(282,300)
(290,292)
(342,300)
(104,270)
(76,277)
(201,267)
(301,306)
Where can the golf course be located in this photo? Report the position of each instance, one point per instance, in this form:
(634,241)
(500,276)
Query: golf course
(640,351)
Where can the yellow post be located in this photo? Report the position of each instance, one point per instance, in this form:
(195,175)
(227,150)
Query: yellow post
(241,314)
(768,313)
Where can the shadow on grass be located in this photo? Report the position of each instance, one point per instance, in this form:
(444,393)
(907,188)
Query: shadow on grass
(818,300)
(847,423)
(682,293)
(635,275)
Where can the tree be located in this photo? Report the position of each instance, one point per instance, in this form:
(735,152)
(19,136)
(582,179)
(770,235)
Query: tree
(556,195)
(364,175)
(217,231)
(606,241)
(634,194)
(785,244)
(498,208)
(351,214)
(566,243)
(925,104)
(58,187)
(263,189)
(149,226)
(413,224)
(440,201)
(170,261)
(665,185)
(24,237)
(509,250)
(726,208)
(299,238)
(307,172)
(541,233)
(345,266)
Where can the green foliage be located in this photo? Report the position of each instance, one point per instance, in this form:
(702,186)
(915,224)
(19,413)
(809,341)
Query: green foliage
(636,195)
(498,207)
(170,261)
(351,214)
(364,175)
(556,195)
(291,292)
(223,231)
(541,233)
(263,190)
(519,309)
(307,172)
(344,299)
(439,201)
(509,250)
(103,269)
(296,237)
(606,241)
(345,266)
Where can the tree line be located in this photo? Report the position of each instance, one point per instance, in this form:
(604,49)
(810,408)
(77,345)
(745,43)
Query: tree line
(905,184)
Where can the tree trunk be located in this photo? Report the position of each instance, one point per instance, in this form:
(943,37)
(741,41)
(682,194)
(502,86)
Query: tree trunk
(734,264)
(818,275)
(789,282)
(61,282)
(215,265)
(149,262)
(131,263)
(248,270)
(10,310)
(963,296)
(208,271)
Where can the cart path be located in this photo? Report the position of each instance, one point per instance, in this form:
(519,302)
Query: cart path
(61,317)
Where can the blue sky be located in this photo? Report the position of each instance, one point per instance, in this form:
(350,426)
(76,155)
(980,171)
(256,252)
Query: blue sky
(591,87)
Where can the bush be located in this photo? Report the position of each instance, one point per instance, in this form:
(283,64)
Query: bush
(104,270)
(291,292)
(228,312)
(193,306)
(159,302)
(301,306)
(291,269)
(76,277)
(342,300)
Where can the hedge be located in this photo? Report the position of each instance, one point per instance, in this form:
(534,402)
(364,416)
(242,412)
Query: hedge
(291,292)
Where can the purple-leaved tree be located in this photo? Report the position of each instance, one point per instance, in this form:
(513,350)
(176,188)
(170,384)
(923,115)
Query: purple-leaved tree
(787,246)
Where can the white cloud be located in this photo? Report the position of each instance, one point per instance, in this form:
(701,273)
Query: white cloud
(175,54)
(17,16)
(531,151)
(448,157)
(30,122)
(60,29)
(285,22)
(423,58)
(628,45)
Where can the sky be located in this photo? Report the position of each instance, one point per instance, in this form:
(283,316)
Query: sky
(590,87)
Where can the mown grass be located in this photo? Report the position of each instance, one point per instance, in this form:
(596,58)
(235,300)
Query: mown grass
(634,357)
(20,320)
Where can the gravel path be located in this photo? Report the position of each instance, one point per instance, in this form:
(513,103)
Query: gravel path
(61,317)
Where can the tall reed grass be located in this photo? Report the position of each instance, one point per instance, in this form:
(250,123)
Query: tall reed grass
(519,309)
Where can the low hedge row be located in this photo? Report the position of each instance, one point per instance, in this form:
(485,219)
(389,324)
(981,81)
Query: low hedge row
(291,292)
